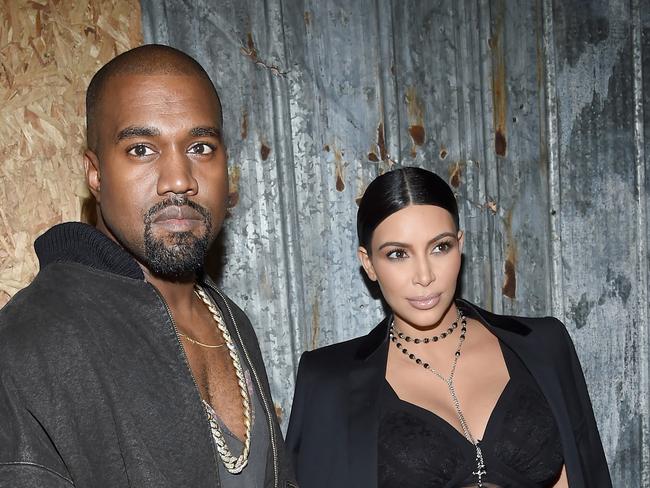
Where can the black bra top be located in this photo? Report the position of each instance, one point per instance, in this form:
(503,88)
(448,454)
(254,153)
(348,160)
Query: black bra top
(521,445)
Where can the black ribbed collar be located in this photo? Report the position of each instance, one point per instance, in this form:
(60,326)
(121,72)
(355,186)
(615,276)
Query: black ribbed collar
(75,242)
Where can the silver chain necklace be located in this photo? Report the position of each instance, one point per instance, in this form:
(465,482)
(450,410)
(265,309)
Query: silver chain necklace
(232,464)
(449,381)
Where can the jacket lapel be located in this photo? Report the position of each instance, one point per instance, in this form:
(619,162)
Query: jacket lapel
(522,341)
(364,383)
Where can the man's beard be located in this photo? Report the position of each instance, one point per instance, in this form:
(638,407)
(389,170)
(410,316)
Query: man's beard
(180,256)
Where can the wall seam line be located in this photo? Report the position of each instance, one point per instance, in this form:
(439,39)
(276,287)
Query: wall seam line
(642,243)
(550,88)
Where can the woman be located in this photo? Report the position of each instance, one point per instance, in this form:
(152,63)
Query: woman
(441,393)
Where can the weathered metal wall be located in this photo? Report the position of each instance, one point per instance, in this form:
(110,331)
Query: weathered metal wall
(538,114)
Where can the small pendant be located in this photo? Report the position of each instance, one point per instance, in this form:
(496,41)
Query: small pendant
(480,467)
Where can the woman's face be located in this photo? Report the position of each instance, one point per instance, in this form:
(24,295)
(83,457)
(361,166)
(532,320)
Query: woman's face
(415,257)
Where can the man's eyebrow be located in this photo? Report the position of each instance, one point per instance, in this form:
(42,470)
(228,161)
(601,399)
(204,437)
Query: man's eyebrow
(206,132)
(135,131)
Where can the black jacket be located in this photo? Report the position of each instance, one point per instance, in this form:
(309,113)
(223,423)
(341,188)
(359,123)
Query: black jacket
(95,390)
(334,419)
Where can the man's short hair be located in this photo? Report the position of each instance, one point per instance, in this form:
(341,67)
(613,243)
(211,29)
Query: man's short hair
(150,59)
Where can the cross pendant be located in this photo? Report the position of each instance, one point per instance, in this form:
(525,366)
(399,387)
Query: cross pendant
(479,472)
(480,467)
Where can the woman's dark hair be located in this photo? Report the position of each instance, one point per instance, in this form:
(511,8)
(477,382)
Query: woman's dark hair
(397,189)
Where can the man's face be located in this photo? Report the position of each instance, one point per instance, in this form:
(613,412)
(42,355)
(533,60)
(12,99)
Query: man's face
(159,173)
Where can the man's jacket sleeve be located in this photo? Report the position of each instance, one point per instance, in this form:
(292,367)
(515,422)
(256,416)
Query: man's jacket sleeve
(28,458)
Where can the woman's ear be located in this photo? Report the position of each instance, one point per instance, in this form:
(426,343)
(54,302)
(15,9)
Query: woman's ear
(366,262)
(461,240)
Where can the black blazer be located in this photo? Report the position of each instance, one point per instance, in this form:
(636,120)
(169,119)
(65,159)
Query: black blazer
(334,419)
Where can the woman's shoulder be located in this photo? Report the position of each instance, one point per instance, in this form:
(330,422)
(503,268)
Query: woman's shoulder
(333,354)
(544,331)
(341,356)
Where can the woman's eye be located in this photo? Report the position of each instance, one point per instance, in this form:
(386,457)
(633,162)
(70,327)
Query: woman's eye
(140,151)
(442,247)
(201,148)
(397,254)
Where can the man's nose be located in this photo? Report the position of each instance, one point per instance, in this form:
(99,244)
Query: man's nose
(176,174)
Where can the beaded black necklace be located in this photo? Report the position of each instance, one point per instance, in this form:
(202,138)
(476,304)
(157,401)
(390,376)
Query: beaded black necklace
(449,381)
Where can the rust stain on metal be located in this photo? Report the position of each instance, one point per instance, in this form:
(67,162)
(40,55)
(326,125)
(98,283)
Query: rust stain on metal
(381,142)
(509,287)
(417,134)
(265,151)
(340,184)
(443,152)
(510,281)
(244,125)
(250,44)
(307,18)
(315,323)
(455,174)
(373,157)
(249,50)
(492,206)
(326,147)
(500,143)
(233,186)
(499,93)
(415,113)
(279,412)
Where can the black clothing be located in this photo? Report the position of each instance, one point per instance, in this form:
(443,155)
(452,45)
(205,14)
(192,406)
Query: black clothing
(95,388)
(334,427)
(521,446)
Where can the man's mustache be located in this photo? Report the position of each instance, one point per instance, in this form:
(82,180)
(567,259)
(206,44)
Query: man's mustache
(176,201)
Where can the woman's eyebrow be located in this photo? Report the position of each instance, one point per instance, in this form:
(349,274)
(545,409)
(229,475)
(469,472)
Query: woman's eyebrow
(403,244)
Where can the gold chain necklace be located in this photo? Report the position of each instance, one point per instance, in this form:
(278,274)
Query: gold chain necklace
(199,343)
(449,381)
(233,464)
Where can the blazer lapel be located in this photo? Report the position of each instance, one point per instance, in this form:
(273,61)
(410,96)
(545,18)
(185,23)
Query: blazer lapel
(364,383)
(521,339)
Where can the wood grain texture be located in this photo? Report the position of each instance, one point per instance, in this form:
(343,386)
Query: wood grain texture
(49,50)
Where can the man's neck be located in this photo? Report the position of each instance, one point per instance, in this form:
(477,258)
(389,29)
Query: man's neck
(178,295)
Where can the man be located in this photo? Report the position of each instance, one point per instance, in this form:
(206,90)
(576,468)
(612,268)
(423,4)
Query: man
(122,364)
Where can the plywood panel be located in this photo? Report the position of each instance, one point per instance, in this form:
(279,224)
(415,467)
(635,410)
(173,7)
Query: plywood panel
(48,52)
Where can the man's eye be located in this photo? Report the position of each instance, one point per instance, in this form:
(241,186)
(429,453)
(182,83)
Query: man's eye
(140,151)
(201,148)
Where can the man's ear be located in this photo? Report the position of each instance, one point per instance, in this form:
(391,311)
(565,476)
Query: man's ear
(366,262)
(91,169)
